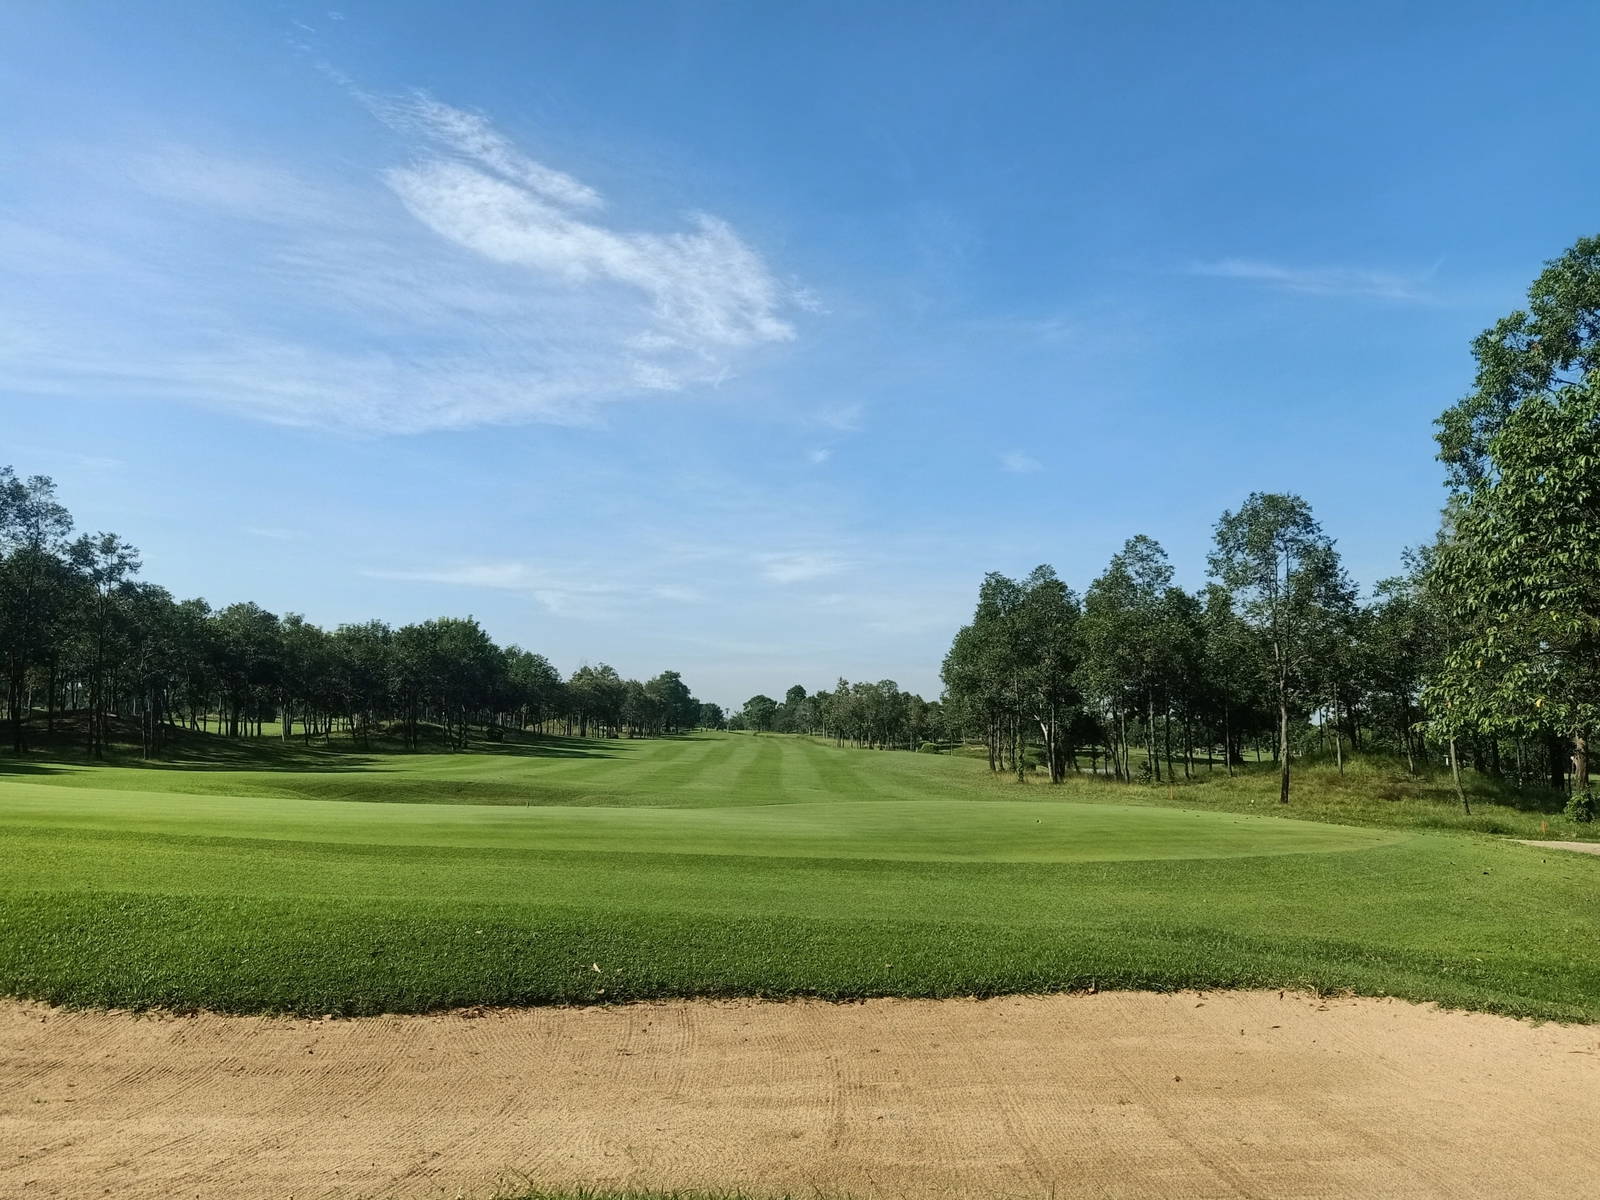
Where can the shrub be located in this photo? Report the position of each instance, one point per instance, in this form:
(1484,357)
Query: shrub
(1582,806)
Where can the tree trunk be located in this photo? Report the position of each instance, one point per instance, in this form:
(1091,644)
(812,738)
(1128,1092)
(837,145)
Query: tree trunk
(1166,736)
(1580,762)
(1338,740)
(1018,758)
(1151,757)
(1283,745)
(1227,738)
(1558,766)
(1405,736)
(1455,773)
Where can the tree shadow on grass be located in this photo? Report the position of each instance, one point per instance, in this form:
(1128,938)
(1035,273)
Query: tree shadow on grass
(22,766)
(65,751)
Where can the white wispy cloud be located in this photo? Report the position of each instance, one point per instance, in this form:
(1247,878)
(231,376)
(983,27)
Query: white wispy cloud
(799,566)
(567,592)
(1018,463)
(469,284)
(819,456)
(842,418)
(470,136)
(1319,281)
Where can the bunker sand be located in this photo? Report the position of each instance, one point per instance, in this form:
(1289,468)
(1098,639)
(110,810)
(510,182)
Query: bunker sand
(1579,847)
(1110,1095)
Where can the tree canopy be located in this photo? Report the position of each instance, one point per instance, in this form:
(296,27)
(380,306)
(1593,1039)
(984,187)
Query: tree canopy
(85,640)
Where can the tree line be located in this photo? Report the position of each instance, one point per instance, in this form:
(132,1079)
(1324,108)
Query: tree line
(87,643)
(873,716)
(1485,649)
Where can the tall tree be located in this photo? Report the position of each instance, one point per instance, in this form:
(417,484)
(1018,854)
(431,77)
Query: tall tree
(35,589)
(1400,647)
(1046,644)
(1517,581)
(1126,648)
(1231,654)
(1285,577)
(108,564)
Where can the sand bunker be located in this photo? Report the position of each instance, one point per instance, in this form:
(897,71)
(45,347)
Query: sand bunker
(1112,1095)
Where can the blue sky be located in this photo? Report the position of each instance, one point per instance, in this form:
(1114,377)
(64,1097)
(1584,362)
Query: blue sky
(743,338)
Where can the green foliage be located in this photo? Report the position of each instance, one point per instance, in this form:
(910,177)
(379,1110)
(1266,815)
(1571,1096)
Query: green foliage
(81,634)
(1516,580)
(1582,806)
(759,713)
(1011,672)
(1554,342)
(1290,589)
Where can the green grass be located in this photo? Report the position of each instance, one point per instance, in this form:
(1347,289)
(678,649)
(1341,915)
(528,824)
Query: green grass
(1369,791)
(567,871)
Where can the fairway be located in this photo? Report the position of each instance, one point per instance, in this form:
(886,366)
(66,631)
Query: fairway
(715,864)
(903,830)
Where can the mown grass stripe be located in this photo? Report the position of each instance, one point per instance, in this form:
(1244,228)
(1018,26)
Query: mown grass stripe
(805,780)
(841,773)
(762,775)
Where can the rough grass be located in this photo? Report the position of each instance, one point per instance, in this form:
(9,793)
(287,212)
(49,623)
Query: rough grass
(575,872)
(1373,790)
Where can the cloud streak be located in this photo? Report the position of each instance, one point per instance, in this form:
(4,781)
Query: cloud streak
(1016,462)
(1316,281)
(798,567)
(564,593)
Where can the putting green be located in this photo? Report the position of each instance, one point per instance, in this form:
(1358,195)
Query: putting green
(931,830)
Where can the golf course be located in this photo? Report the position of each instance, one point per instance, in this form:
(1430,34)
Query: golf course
(267,877)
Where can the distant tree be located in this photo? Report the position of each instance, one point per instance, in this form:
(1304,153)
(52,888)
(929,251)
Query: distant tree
(1125,647)
(1231,670)
(535,692)
(108,564)
(641,712)
(76,626)
(150,653)
(712,716)
(245,641)
(1400,644)
(597,694)
(678,708)
(975,682)
(367,670)
(1285,577)
(36,589)
(795,712)
(759,713)
(1047,649)
(1181,665)
(305,675)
